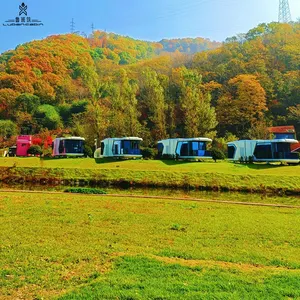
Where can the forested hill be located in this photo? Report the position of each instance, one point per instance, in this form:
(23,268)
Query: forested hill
(188,45)
(110,85)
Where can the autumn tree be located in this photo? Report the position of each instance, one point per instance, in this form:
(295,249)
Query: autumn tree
(243,105)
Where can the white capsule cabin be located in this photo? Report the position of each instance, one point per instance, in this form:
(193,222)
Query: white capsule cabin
(184,148)
(278,150)
(125,147)
(68,146)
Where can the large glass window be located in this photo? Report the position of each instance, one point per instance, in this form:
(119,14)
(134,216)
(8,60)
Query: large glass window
(102,148)
(191,148)
(130,147)
(231,151)
(73,146)
(285,136)
(263,151)
(160,148)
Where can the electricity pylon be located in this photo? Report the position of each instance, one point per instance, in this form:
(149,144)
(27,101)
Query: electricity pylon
(284,12)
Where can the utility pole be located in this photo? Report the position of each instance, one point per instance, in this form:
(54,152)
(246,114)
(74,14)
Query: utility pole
(284,12)
(72,26)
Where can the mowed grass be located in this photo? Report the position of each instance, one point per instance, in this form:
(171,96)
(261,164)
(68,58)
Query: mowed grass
(174,174)
(99,247)
(154,165)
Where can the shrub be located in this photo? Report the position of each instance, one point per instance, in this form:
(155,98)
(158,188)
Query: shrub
(87,150)
(148,153)
(217,154)
(85,191)
(35,150)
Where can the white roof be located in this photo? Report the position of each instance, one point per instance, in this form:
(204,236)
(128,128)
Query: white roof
(291,141)
(71,138)
(196,139)
(128,138)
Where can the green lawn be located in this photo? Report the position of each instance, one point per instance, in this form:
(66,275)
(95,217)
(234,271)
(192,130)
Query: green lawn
(155,165)
(98,247)
(172,174)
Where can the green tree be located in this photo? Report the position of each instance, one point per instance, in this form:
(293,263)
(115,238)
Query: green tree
(7,128)
(27,103)
(47,116)
(199,117)
(153,97)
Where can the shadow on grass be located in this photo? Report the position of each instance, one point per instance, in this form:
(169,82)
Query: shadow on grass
(112,160)
(171,162)
(263,166)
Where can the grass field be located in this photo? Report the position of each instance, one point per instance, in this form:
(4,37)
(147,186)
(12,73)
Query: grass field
(95,247)
(210,175)
(155,165)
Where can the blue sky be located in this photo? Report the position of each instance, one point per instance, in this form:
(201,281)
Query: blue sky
(148,20)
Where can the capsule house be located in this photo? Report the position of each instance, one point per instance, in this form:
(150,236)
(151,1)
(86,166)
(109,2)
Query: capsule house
(68,146)
(277,150)
(125,147)
(184,148)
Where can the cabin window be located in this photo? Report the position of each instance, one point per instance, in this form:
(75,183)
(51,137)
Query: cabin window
(282,150)
(130,147)
(74,146)
(231,151)
(263,151)
(117,147)
(285,136)
(283,147)
(160,148)
(126,146)
(102,148)
(61,147)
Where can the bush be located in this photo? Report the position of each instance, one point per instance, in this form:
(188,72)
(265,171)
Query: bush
(85,191)
(148,153)
(87,150)
(217,154)
(35,150)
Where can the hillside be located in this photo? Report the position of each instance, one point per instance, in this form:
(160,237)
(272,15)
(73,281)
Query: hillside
(86,85)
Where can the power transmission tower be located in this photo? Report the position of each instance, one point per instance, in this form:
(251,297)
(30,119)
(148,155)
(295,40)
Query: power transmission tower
(284,12)
(92,27)
(72,26)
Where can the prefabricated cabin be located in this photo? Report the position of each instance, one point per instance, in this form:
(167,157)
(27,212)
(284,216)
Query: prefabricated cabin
(23,144)
(184,148)
(125,147)
(68,146)
(278,150)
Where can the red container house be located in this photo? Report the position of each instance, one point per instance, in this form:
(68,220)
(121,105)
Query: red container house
(23,144)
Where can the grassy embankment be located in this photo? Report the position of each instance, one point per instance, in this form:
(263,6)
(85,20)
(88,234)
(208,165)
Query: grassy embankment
(204,175)
(95,247)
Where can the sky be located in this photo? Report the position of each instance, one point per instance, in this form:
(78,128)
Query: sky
(150,20)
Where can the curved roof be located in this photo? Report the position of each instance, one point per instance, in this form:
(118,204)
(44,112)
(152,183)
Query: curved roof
(291,141)
(128,138)
(196,139)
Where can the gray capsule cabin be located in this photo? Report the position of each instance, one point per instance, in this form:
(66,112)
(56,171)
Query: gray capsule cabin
(125,147)
(277,150)
(184,148)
